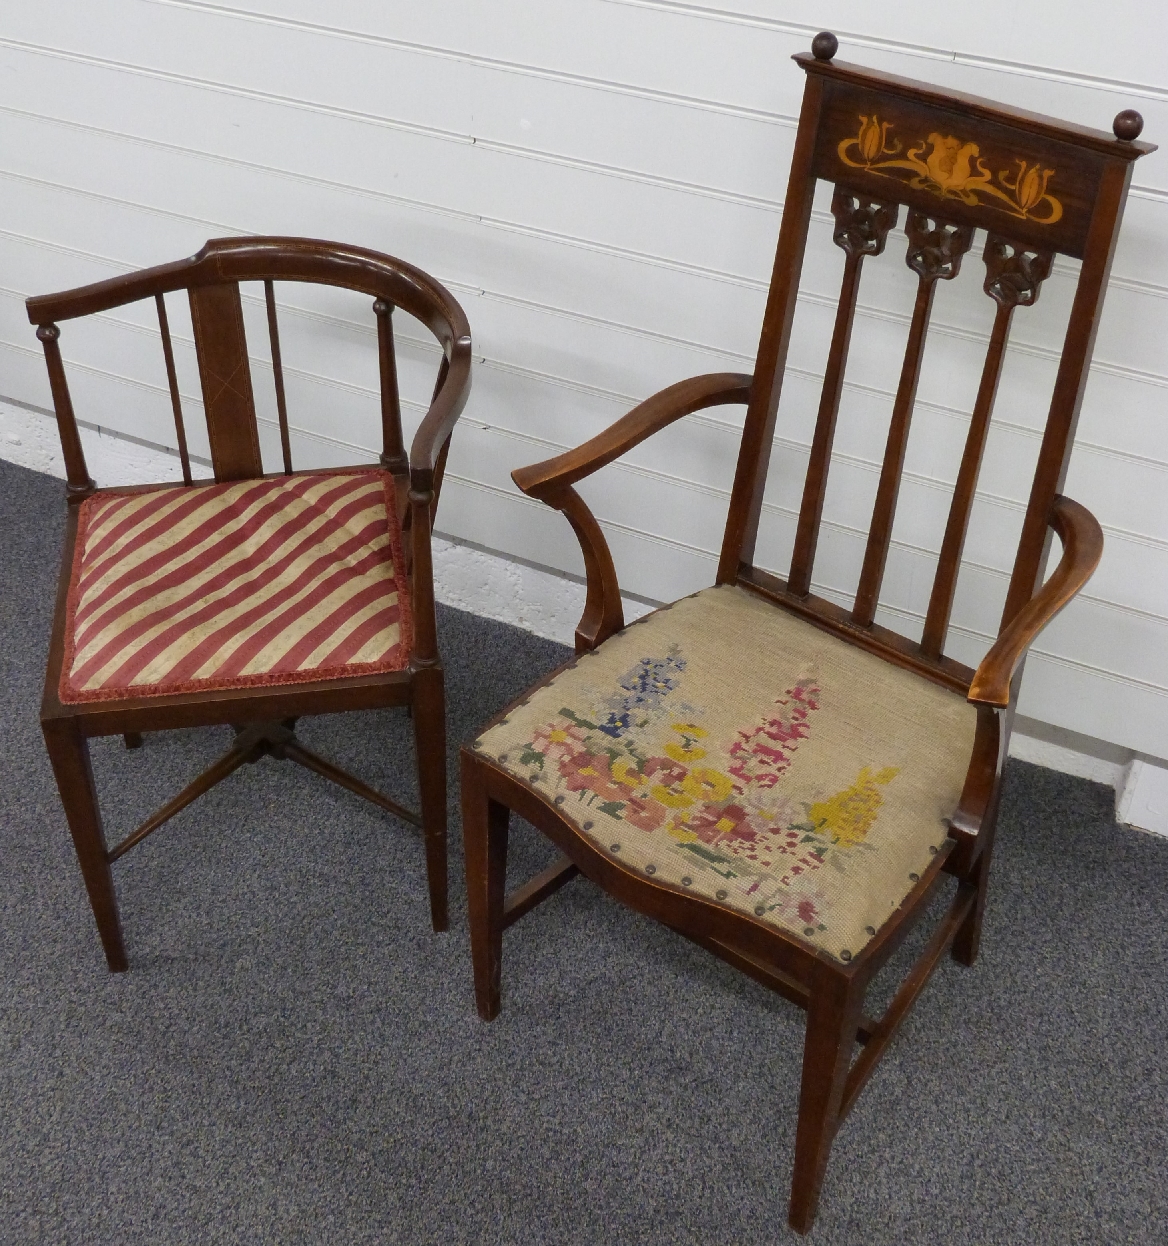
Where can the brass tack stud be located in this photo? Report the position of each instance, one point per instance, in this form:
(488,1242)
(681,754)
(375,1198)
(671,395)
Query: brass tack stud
(870,930)
(720,895)
(502,756)
(650,869)
(845,955)
(916,878)
(759,910)
(933,850)
(687,881)
(588,826)
(809,931)
(533,778)
(614,847)
(560,799)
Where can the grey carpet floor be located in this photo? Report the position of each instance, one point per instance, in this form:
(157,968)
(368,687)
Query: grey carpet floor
(294,1057)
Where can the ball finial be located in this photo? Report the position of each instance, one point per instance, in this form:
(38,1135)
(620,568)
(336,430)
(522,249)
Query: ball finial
(824,45)
(1127,125)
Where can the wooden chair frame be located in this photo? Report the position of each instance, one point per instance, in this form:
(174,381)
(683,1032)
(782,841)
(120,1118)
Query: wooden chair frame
(263,717)
(1094,171)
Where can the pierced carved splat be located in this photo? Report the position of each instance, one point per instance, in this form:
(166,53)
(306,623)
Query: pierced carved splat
(861,223)
(861,228)
(1014,275)
(934,247)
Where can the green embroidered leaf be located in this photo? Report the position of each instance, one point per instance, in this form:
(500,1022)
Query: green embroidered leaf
(580,722)
(612,807)
(531,756)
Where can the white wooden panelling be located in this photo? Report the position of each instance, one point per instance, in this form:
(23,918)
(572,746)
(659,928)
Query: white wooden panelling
(600,184)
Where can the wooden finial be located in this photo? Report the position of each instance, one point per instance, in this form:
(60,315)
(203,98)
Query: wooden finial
(1127,125)
(824,45)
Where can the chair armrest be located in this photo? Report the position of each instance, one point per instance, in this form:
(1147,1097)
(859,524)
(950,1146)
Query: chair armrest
(712,390)
(1082,540)
(551,482)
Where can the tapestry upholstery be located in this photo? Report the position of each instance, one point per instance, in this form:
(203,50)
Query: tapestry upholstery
(727,747)
(269,581)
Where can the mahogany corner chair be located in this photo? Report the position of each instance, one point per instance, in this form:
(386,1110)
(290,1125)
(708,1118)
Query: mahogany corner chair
(251,599)
(778,778)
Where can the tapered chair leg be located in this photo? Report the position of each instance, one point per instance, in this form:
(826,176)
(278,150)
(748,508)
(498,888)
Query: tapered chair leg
(967,941)
(429,715)
(833,1014)
(69,753)
(484,837)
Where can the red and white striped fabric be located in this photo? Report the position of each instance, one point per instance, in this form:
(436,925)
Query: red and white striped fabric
(273,581)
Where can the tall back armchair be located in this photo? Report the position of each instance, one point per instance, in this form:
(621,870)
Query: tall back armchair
(774,775)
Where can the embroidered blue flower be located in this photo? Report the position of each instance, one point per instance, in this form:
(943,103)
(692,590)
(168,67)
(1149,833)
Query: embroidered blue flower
(647,685)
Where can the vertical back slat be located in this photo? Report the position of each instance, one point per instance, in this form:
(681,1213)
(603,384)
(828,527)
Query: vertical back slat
(393,454)
(934,251)
(225,373)
(1013,279)
(172,380)
(278,376)
(862,227)
(78,483)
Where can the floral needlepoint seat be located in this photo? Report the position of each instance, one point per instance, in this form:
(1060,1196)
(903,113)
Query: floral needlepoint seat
(745,755)
(269,581)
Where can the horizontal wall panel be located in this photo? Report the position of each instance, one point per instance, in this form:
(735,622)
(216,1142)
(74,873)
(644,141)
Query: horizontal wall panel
(608,220)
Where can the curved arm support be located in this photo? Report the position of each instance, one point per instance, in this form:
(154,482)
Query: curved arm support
(437,424)
(1082,540)
(712,390)
(551,482)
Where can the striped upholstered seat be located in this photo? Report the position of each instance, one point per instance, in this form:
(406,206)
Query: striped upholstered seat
(244,584)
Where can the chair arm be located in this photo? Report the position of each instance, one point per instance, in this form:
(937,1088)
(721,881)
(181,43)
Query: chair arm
(1082,540)
(712,390)
(450,395)
(552,480)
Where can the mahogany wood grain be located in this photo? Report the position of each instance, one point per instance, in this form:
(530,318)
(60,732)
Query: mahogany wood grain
(758,432)
(933,253)
(278,376)
(225,373)
(862,227)
(180,431)
(536,890)
(78,484)
(1082,540)
(393,452)
(1013,279)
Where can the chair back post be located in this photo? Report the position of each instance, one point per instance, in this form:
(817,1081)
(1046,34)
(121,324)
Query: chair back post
(759,428)
(425,650)
(393,453)
(1071,381)
(78,483)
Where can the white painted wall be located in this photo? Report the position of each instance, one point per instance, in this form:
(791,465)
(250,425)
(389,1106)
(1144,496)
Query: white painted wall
(599,183)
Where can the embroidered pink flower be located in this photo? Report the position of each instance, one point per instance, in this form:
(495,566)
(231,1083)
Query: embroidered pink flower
(761,754)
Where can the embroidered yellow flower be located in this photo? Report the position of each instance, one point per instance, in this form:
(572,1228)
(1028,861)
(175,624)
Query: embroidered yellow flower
(624,772)
(688,749)
(674,800)
(558,737)
(849,815)
(711,785)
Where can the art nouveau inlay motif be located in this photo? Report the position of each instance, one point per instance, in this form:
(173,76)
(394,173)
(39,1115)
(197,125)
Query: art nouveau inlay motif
(952,169)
